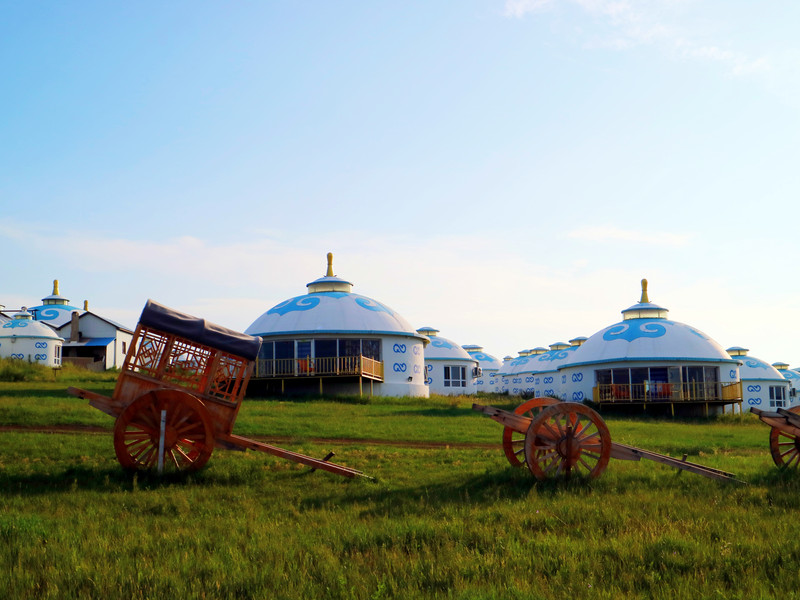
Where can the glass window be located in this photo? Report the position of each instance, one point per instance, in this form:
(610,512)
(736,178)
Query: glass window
(455,376)
(325,348)
(371,349)
(602,376)
(284,349)
(267,351)
(303,348)
(658,374)
(349,347)
(621,376)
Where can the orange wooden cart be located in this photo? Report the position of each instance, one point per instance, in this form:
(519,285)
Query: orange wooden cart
(554,439)
(784,435)
(178,394)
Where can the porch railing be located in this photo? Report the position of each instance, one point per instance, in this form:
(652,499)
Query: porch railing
(668,392)
(332,366)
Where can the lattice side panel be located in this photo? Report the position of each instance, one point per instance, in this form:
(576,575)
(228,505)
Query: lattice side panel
(228,377)
(148,354)
(186,363)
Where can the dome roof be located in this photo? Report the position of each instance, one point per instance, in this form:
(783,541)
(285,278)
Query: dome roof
(55,308)
(486,361)
(645,334)
(22,325)
(754,368)
(787,373)
(330,307)
(441,348)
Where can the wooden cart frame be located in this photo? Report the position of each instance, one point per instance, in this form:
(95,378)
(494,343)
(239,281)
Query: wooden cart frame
(179,392)
(561,439)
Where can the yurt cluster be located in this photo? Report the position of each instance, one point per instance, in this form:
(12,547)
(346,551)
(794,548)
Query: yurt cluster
(333,341)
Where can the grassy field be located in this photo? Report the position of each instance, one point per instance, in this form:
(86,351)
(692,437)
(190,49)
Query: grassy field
(447,519)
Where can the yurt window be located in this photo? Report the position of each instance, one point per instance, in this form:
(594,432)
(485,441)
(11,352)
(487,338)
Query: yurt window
(325,348)
(777,396)
(371,349)
(349,347)
(57,355)
(455,376)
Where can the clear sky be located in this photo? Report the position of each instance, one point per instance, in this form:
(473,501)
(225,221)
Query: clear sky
(506,171)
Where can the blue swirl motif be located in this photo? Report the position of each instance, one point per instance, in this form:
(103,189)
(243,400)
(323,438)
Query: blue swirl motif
(576,377)
(437,343)
(370,304)
(557,354)
(754,401)
(40,356)
(529,379)
(528,390)
(15,323)
(479,382)
(536,381)
(563,379)
(505,380)
(547,380)
(299,303)
(40,345)
(480,356)
(416,349)
(515,391)
(548,393)
(753,388)
(634,330)
(516,380)
(399,367)
(417,369)
(399,348)
(48,314)
(755,364)
(429,380)
(20,356)
(522,360)
(733,373)
(577,396)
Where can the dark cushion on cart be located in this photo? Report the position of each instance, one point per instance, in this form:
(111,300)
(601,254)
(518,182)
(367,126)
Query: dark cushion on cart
(163,318)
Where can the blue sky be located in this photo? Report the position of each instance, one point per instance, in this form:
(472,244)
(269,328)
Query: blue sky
(504,171)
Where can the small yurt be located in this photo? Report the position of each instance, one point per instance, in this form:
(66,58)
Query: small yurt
(488,379)
(331,340)
(515,374)
(25,339)
(793,377)
(649,360)
(763,386)
(450,370)
(55,309)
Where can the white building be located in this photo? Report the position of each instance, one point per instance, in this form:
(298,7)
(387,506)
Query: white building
(793,377)
(25,339)
(94,342)
(763,386)
(450,370)
(488,380)
(55,309)
(331,340)
(649,360)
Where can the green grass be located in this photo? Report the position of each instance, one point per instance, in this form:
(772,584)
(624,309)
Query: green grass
(444,522)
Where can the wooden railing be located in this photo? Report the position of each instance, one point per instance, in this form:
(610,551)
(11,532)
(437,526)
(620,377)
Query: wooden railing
(668,392)
(332,366)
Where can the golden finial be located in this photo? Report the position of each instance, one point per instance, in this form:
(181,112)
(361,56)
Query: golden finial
(55,287)
(85,305)
(330,265)
(645,299)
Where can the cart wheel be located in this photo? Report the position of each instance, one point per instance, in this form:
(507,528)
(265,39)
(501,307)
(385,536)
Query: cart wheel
(567,437)
(514,441)
(785,447)
(188,434)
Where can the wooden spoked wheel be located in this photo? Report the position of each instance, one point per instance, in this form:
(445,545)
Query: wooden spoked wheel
(567,438)
(188,432)
(785,447)
(514,441)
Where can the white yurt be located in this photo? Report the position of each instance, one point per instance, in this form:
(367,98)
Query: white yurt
(331,340)
(793,377)
(55,309)
(649,360)
(763,386)
(515,374)
(450,370)
(488,379)
(25,339)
